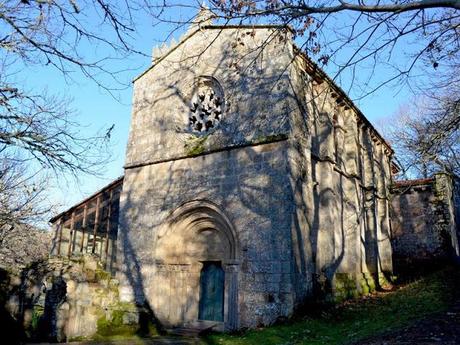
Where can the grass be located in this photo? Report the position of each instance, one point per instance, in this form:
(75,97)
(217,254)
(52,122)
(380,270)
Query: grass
(359,319)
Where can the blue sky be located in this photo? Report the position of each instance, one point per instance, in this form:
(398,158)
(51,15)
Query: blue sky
(97,109)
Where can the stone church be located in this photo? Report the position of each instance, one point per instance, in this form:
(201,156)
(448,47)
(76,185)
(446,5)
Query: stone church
(252,183)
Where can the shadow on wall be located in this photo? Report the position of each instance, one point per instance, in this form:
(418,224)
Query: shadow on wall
(295,223)
(28,310)
(244,183)
(263,193)
(12,330)
(63,299)
(423,225)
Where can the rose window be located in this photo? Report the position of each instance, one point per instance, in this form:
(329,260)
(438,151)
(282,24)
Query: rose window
(206,107)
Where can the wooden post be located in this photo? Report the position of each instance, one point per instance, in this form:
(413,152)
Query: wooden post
(59,228)
(96,222)
(72,225)
(83,226)
(109,214)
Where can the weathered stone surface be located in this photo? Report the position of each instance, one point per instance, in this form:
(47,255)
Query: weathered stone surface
(425,228)
(249,161)
(57,303)
(283,170)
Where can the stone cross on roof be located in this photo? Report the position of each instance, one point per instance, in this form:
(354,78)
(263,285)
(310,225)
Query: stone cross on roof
(203,17)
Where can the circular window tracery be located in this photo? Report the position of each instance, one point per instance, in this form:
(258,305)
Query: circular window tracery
(206,106)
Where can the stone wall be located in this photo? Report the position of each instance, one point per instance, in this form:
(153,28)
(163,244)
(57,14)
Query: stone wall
(251,187)
(245,66)
(66,299)
(423,225)
(300,175)
(345,176)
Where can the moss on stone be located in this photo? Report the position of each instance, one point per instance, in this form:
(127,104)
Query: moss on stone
(101,275)
(367,284)
(348,287)
(77,259)
(344,287)
(114,326)
(195,146)
(385,280)
(77,339)
(37,313)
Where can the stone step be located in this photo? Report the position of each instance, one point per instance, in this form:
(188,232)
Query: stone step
(193,329)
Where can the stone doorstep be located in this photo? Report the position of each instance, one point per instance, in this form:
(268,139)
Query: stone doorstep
(194,329)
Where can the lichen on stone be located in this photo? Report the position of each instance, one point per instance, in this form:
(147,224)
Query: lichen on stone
(195,146)
(269,138)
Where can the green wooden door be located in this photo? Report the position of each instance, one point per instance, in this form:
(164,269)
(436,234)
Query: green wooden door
(211,292)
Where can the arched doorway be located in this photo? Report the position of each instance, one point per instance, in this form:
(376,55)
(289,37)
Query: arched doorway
(196,267)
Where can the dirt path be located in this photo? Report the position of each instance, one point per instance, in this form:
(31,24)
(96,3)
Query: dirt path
(442,328)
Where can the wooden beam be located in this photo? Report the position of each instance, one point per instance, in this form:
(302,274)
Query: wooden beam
(72,226)
(96,222)
(109,214)
(60,236)
(83,226)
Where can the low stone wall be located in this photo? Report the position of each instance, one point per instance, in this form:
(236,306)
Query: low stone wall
(423,226)
(63,299)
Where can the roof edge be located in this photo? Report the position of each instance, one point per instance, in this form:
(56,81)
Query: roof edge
(315,69)
(412,183)
(210,27)
(100,191)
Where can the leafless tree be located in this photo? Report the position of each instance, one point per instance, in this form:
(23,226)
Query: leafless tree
(343,36)
(40,132)
(351,39)
(404,39)
(22,195)
(54,34)
(426,136)
(23,200)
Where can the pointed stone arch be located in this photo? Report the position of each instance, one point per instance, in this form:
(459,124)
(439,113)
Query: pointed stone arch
(193,218)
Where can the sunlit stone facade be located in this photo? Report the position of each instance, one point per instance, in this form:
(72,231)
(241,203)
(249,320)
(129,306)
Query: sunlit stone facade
(252,183)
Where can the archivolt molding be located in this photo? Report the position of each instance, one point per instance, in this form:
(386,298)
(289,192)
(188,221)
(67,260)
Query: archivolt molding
(194,217)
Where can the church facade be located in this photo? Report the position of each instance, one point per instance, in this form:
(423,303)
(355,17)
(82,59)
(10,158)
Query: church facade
(252,183)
